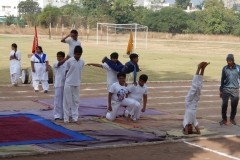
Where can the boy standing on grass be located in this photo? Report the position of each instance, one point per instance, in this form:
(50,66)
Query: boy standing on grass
(59,68)
(111,74)
(131,66)
(117,97)
(74,67)
(191,101)
(72,41)
(138,93)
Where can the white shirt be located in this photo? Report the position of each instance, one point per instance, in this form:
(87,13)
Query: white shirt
(74,74)
(72,44)
(119,92)
(15,64)
(40,68)
(137,92)
(111,74)
(193,96)
(60,72)
(190,118)
(35,59)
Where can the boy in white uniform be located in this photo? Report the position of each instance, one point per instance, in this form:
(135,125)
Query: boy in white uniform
(15,64)
(72,41)
(111,74)
(191,101)
(117,97)
(138,93)
(39,64)
(60,71)
(74,67)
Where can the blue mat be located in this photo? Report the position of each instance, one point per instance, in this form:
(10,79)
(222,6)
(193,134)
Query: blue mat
(22,129)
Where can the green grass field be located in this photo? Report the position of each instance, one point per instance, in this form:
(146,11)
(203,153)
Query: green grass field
(163,60)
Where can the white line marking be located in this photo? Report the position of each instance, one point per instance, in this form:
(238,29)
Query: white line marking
(184,102)
(214,151)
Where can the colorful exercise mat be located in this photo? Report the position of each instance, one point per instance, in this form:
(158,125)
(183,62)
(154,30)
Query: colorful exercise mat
(97,107)
(22,129)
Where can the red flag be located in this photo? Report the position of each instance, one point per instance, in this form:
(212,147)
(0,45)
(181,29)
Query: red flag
(35,41)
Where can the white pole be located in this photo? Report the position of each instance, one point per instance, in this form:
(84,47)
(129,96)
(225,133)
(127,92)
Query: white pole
(135,45)
(107,35)
(146,37)
(97,33)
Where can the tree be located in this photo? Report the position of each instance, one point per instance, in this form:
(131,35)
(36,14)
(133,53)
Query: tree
(169,19)
(96,8)
(140,14)
(10,20)
(28,7)
(49,15)
(215,20)
(71,10)
(182,4)
(121,11)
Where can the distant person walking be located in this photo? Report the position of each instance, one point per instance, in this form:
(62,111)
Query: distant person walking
(15,64)
(72,41)
(229,89)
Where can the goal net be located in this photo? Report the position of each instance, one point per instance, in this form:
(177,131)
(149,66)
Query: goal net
(108,33)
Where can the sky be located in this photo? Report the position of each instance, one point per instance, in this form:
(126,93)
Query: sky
(195,2)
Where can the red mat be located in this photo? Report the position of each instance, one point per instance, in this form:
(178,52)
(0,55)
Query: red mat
(31,129)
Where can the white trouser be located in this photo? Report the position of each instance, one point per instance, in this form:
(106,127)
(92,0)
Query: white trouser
(111,115)
(136,112)
(58,102)
(71,98)
(14,78)
(45,84)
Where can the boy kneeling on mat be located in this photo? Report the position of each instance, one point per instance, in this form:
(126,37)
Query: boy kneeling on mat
(191,101)
(117,97)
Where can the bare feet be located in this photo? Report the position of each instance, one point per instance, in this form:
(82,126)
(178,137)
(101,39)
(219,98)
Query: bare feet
(103,60)
(200,65)
(207,63)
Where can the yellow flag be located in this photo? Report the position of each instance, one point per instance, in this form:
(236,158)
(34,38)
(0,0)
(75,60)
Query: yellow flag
(130,44)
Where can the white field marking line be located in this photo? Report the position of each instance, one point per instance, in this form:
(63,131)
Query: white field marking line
(180,97)
(185,91)
(181,86)
(198,108)
(198,102)
(211,150)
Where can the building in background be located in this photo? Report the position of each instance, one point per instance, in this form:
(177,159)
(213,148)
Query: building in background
(9,7)
(152,4)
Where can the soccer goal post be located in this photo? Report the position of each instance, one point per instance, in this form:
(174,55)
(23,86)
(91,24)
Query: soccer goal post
(107,32)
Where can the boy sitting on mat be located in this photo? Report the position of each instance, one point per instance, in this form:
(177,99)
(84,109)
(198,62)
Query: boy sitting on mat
(138,93)
(131,66)
(191,101)
(117,97)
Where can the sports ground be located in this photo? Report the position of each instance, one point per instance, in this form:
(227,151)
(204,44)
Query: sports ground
(170,66)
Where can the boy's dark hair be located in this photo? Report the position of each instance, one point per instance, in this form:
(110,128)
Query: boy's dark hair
(39,47)
(189,132)
(74,31)
(61,53)
(143,77)
(121,74)
(133,55)
(114,55)
(14,45)
(78,49)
